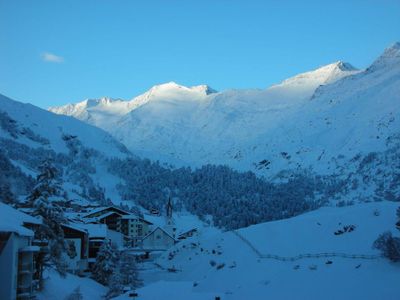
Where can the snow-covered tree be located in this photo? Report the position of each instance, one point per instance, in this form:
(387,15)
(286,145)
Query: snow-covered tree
(47,184)
(125,275)
(388,245)
(43,202)
(106,262)
(128,270)
(115,285)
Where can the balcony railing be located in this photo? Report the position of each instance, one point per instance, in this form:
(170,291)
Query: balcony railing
(24,290)
(25,266)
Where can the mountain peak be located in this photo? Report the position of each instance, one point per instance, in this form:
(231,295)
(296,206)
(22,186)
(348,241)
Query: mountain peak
(344,66)
(167,85)
(390,56)
(338,66)
(322,75)
(172,87)
(392,52)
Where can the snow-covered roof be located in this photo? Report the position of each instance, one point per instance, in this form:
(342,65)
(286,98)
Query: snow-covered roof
(127,217)
(12,220)
(73,215)
(155,229)
(75,227)
(102,216)
(188,231)
(94,230)
(104,208)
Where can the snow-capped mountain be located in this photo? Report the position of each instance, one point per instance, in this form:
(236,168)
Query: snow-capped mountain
(306,121)
(176,123)
(39,121)
(105,112)
(30,135)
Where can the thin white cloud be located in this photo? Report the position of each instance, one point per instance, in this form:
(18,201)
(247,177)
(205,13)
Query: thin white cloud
(50,57)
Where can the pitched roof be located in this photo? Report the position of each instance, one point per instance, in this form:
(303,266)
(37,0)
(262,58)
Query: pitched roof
(12,220)
(135,217)
(94,230)
(161,230)
(75,227)
(102,216)
(104,208)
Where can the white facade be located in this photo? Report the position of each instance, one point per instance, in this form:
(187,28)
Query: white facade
(158,239)
(116,238)
(134,228)
(16,254)
(16,268)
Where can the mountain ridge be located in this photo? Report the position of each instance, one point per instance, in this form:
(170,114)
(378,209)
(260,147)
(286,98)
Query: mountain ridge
(317,121)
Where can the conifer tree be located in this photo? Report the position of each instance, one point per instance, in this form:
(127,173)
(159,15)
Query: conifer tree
(125,275)
(42,201)
(106,262)
(128,270)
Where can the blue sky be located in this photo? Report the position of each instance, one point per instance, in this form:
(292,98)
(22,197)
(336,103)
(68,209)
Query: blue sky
(55,52)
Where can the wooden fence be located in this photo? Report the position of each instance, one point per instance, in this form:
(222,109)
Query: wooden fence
(302,256)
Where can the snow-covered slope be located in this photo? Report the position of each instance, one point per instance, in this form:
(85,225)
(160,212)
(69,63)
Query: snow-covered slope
(224,265)
(29,135)
(53,128)
(198,125)
(57,287)
(306,121)
(335,120)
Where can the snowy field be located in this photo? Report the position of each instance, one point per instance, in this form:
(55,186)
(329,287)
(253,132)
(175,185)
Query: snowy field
(58,288)
(225,266)
(222,264)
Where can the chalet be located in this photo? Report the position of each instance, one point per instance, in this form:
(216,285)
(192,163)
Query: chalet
(134,228)
(98,234)
(109,215)
(158,239)
(110,218)
(16,254)
(78,242)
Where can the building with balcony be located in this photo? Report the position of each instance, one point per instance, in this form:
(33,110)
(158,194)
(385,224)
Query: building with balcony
(98,234)
(134,228)
(16,254)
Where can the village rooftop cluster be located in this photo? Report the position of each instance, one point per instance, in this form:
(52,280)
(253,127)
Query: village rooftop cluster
(89,227)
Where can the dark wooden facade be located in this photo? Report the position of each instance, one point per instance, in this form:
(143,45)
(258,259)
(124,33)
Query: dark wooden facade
(74,233)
